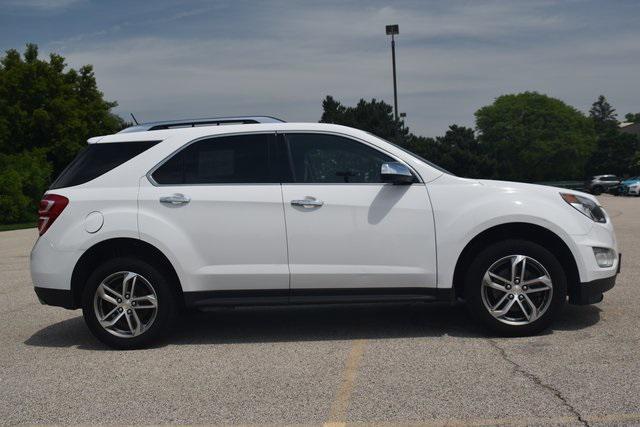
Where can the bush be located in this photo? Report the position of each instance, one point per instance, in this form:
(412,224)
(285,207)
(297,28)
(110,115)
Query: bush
(23,177)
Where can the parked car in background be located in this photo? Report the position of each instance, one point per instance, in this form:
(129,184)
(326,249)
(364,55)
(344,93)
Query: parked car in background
(598,184)
(165,216)
(630,187)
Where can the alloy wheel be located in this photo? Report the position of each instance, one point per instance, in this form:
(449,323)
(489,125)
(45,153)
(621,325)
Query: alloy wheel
(517,290)
(125,304)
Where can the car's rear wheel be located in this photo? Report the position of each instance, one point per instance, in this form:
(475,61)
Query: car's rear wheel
(515,287)
(127,303)
(597,190)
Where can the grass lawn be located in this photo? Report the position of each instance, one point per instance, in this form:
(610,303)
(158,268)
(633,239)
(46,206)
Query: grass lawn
(7,227)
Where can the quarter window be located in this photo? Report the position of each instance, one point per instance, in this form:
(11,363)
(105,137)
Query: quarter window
(97,159)
(233,159)
(323,158)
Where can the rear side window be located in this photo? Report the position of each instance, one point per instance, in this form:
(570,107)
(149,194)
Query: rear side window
(236,159)
(98,159)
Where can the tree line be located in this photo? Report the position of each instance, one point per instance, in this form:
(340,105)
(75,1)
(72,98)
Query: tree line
(48,111)
(527,137)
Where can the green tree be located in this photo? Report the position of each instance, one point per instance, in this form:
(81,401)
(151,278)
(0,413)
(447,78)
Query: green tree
(601,110)
(632,117)
(374,116)
(615,152)
(47,112)
(603,115)
(533,137)
(458,151)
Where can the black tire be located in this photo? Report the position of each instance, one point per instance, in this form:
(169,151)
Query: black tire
(597,190)
(166,302)
(490,255)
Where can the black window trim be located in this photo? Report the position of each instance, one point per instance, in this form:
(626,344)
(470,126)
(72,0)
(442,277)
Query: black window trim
(284,133)
(153,182)
(277,134)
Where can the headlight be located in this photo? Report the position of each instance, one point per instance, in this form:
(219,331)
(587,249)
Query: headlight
(585,206)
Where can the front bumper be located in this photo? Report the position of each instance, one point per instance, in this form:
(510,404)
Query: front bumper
(626,190)
(57,297)
(592,292)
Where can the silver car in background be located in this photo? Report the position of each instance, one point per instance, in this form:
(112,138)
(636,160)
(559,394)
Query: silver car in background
(598,184)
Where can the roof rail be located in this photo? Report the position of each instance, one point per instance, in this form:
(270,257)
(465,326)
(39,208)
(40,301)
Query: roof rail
(213,121)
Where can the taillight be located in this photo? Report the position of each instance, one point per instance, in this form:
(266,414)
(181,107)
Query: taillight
(51,206)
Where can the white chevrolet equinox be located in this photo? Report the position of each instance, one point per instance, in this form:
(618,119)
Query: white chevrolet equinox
(178,215)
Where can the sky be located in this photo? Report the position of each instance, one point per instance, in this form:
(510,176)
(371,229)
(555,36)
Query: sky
(185,59)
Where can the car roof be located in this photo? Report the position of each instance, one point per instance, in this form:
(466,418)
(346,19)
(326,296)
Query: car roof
(211,121)
(190,133)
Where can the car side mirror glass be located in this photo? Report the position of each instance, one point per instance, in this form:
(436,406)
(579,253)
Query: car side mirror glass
(396,173)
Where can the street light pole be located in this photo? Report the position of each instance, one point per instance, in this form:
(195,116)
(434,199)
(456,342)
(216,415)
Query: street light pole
(392,30)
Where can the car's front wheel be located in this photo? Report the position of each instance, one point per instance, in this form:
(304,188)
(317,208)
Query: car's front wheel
(127,303)
(515,287)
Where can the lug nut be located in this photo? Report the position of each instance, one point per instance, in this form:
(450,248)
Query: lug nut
(129,311)
(508,287)
(521,297)
(120,309)
(119,300)
(133,303)
(127,296)
(517,281)
(510,296)
(525,287)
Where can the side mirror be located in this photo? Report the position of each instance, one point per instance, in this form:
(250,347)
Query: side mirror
(396,173)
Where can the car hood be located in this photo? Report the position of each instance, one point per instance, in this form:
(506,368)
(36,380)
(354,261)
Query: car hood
(522,187)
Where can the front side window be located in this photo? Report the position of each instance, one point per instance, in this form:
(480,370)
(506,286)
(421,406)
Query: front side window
(323,158)
(237,159)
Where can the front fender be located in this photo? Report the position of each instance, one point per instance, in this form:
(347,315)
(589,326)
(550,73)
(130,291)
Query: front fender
(465,208)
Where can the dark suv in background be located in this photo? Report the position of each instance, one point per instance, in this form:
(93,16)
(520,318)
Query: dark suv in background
(602,184)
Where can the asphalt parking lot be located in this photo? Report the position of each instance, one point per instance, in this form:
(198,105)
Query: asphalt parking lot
(411,364)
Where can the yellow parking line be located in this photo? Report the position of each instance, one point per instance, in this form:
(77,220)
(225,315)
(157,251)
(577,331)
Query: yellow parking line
(341,402)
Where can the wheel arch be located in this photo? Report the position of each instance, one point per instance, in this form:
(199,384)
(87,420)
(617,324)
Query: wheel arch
(517,230)
(117,247)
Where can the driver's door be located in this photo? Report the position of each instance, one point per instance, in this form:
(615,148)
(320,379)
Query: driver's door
(348,229)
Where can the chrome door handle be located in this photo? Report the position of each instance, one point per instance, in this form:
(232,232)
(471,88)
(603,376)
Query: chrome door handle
(307,203)
(175,199)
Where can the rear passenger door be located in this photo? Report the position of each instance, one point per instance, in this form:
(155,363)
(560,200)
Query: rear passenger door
(216,206)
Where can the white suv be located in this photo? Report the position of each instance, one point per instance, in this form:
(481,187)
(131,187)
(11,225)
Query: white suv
(174,215)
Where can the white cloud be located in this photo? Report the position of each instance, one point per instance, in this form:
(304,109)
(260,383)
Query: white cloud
(43,4)
(451,61)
